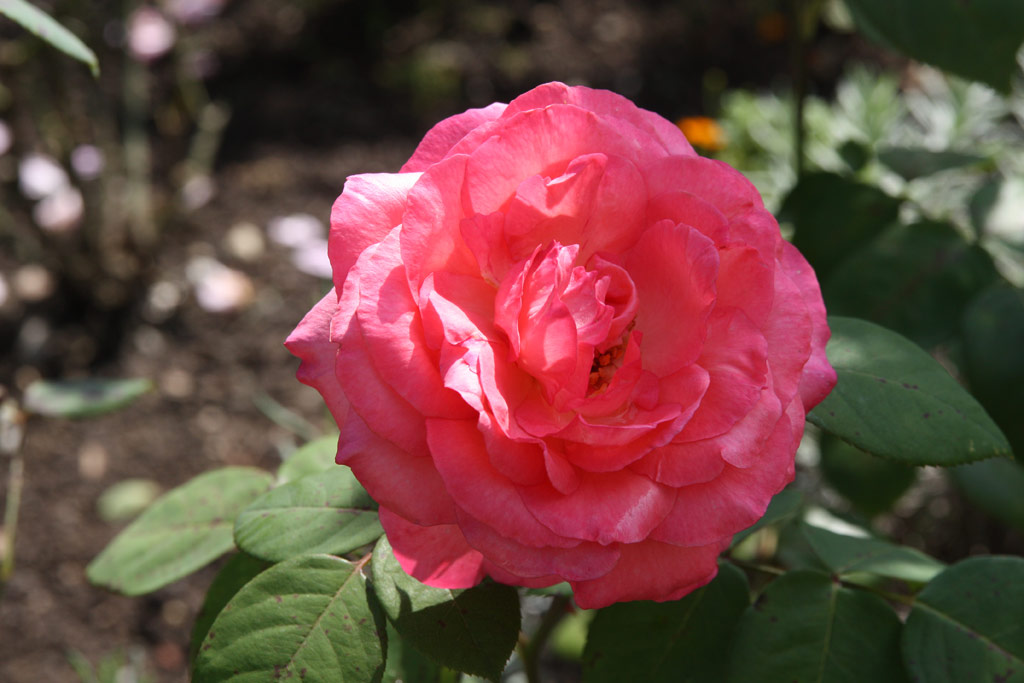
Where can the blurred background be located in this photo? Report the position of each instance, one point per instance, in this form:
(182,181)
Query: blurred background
(167,220)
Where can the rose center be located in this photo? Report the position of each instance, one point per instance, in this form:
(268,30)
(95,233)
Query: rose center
(606,362)
(567,324)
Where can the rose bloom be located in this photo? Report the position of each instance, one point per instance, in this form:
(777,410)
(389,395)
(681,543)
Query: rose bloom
(563,347)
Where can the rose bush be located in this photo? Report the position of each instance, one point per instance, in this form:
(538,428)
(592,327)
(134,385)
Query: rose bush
(563,347)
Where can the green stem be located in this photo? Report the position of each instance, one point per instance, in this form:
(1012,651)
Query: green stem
(530,650)
(798,55)
(779,571)
(757,567)
(12,420)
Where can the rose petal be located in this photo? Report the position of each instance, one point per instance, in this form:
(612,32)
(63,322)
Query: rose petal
(688,209)
(311,343)
(674,269)
(713,181)
(788,332)
(735,356)
(581,562)
(747,282)
(388,473)
(368,208)
(440,139)
(608,104)
(461,459)
(615,507)
(393,334)
(705,513)
(596,203)
(383,410)
(544,142)
(431,237)
(651,571)
(680,464)
(818,377)
(435,555)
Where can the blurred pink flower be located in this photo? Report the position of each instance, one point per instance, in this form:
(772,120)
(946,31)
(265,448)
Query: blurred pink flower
(150,34)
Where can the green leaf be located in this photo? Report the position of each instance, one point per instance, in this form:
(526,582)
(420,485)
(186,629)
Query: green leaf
(996,208)
(807,627)
(977,39)
(312,457)
(183,530)
(896,401)
(236,572)
(914,279)
(328,512)
(406,663)
(993,334)
(833,216)
(310,618)
(82,397)
(473,630)
(871,484)
(917,162)
(43,25)
(845,555)
(680,641)
(126,499)
(569,638)
(968,624)
(784,506)
(995,486)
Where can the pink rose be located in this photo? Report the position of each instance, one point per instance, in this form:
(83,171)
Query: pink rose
(574,350)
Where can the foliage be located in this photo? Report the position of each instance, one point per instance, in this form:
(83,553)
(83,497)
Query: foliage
(43,25)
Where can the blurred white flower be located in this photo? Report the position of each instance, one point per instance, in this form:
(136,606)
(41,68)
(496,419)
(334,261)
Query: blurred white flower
(60,211)
(39,175)
(150,35)
(87,161)
(311,258)
(5,138)
(244,241)
(197,191)
(295,230)
(33,282)
(218,289)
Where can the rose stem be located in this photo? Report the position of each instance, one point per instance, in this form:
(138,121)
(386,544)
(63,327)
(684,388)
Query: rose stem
(530,650)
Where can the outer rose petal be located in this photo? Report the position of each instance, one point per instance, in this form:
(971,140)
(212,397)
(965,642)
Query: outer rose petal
(818,376)
(431,237)
(440,139)
(606,507)
(311,342)
(607,104)
(713,181)
(388,473)
(737,498)
(435,555)
(544,142)
(368,208)
(651,571)
(462,461)
(391,325)
(383,410)
(578,563)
